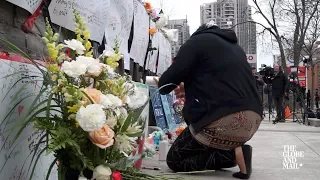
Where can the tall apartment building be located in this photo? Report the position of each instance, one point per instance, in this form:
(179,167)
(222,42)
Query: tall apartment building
(235,14)
(183,33)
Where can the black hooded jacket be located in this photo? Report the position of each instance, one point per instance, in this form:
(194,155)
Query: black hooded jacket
(217,77)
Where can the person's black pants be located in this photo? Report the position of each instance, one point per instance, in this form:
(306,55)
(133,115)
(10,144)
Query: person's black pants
(308,103)
(187,154)
(278,101)
(317,104)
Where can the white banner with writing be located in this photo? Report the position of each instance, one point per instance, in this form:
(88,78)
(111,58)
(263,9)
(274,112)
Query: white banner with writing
(118,23)
(141,33)
(164,54)
(29,5)
(16,157)
(94,13)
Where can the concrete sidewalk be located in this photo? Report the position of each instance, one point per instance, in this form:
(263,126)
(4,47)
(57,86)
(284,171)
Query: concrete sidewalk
(268,156)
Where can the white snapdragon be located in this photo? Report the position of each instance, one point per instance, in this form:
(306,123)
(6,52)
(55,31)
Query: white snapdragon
(75,45)
(91,117)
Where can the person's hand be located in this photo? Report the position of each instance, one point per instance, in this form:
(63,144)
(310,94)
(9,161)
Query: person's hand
(156,79)
(180,91)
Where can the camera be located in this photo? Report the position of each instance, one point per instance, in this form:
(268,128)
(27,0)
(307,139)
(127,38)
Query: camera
(267,73)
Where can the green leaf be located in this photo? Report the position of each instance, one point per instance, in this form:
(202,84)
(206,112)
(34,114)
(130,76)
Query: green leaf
(127,122)
(36,162)
(88,97)
(50,168)
(35,150)
(48,106)
(24,124)
(14,86)
(139,134)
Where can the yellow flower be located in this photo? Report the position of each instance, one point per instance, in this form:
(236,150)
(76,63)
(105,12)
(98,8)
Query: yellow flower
(53,67)
(86,34)
(89,54)
(68,97)
(72,116)
(88,45)
(63,90)
(74,108)
(55,89)
(60,82)
(54,77)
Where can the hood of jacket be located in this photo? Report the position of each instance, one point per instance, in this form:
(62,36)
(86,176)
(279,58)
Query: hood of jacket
(226,34)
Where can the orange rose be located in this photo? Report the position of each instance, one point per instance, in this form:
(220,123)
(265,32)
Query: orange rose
(94,94)
(152,31)
(103,137)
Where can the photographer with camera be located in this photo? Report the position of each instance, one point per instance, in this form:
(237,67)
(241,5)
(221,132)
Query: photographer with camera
(259,82)
(279,85)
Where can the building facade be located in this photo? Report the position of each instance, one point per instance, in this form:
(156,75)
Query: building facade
(183,33)
(236,15)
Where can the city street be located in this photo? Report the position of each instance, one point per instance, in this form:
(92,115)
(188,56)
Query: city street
(271,160)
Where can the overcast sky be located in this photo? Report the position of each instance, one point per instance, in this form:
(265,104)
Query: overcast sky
(177,9)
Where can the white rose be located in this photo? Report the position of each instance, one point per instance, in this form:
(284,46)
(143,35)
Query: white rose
(75,45)
(91,118)
(73,69)
(102,173)
(95,69)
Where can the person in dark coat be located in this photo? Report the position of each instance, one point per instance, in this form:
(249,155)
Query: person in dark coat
(308,99)
(223,106)
(317,98)
(259,82)
(279,88)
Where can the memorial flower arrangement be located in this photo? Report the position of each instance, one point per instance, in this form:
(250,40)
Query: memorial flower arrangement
(90,116)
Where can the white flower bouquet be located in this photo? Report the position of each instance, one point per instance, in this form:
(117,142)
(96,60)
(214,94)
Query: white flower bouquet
(91,115)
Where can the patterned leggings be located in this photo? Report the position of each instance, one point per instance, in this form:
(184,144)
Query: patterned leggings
(187,154)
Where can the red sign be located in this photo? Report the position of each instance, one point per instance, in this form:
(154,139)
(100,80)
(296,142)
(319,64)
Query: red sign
(302,83)
(302,71)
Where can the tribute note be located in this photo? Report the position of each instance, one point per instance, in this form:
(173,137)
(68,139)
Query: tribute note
(15,157)
(29,5)
(93,11)
(141,33)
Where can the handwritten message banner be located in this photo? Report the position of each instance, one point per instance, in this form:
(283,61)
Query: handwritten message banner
(29,5)
(118,23)
(164,54)
(94,13)
(15,157)
(141,33)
